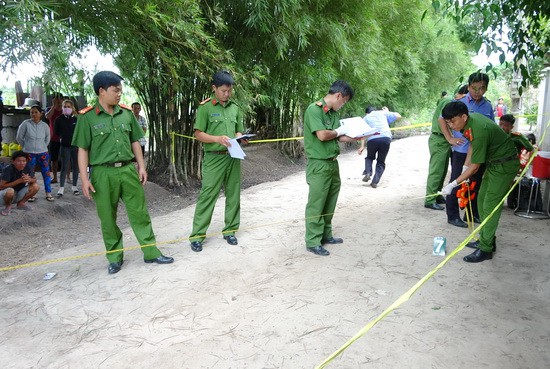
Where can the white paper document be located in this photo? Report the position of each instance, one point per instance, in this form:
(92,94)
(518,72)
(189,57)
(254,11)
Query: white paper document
(357,127)
(235,149)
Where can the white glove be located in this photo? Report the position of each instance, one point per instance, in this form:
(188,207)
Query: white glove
(448,188)
(341,131)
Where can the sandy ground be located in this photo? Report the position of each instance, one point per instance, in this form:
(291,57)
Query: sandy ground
(267,303)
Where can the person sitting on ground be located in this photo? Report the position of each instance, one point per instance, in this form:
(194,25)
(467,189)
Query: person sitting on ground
(17,184)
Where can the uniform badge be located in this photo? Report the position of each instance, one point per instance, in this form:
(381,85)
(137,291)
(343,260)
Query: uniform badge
(320,104)
(468,134)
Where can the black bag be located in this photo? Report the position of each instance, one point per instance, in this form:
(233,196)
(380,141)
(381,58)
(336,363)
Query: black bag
(530,189)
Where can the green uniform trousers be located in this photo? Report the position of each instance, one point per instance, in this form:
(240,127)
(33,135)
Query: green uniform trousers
(112,184)
(496,182)
(440,151)
(323,178)
(218,170)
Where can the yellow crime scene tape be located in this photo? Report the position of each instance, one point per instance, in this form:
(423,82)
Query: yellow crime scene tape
(397,303)
(129,248)
(407,295)
(173,135)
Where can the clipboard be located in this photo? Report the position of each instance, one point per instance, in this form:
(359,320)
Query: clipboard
(245,136)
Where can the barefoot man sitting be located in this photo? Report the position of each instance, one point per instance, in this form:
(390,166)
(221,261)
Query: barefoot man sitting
(17,184)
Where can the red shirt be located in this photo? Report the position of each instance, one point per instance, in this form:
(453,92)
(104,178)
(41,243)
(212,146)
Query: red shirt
(53,136)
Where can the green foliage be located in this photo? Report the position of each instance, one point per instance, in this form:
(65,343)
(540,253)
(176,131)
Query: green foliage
(8,95)
(284,55)
(31,30)
(522,25)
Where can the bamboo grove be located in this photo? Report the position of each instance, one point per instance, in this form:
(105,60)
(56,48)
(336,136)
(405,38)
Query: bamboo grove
(284,54)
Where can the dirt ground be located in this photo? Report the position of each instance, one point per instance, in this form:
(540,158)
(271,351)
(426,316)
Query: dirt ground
(51,226)
(268,303)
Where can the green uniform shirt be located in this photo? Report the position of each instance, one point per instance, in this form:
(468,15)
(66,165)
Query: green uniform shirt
(435,119)
(218,120)
(108,138)
(521,142)
(319,117)
(489,141)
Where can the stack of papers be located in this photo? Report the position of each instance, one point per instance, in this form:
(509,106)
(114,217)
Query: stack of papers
(235,149)
(357,127)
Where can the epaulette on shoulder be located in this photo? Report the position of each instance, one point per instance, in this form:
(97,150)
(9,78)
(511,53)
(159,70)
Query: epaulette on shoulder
(85,110)
(205,101)
(125,107)
(516,133)
(318,103)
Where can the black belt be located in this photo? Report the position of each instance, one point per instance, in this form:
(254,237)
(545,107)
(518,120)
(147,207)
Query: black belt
(329,159)
(503,160)
(118,164)
(223,152)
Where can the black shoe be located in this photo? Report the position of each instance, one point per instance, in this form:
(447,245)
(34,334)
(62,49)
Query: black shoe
(476,219)
(160,260)
(475,245)
(434,206)
(457,222)
(115,267)
(373,185)
(318,250)
(366,178)
(478,256)
(196,246)
(440,200)
(231,239)
(332,241)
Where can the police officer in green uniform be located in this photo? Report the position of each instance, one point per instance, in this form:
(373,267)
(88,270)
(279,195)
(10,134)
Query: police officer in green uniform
(107,135)
(440,151)
(491,146)
(218,120)
(322,131)
(440,143)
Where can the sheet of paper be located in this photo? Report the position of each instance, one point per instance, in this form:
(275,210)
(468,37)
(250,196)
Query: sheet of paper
(357,127)
(235,149)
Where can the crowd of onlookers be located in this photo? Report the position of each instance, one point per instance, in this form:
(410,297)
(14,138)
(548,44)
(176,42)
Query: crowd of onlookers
(46,145)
